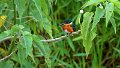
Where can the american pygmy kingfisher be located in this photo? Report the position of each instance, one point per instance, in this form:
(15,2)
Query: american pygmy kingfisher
(68,26)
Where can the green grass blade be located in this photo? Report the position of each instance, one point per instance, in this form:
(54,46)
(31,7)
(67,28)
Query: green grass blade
(117,50)
(80,54)
(70,43)
(64,63)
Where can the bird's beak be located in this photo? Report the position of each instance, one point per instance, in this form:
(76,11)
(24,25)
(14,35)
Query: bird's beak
(71,23)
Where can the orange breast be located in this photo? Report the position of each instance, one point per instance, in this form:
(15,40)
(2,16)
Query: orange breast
(67,27)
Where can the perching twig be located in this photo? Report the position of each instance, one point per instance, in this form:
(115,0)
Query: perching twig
(62,37)
(48,40)
(8,56)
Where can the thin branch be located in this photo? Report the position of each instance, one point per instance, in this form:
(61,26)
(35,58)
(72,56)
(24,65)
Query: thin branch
(8,55)
(62,37)
(48,40)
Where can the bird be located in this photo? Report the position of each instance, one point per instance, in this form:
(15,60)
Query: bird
(68,26)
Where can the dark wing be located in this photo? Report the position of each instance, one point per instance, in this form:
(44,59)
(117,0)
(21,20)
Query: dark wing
(73,26)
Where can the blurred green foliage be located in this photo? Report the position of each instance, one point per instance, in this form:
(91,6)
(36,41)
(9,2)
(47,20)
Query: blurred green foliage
(30,21)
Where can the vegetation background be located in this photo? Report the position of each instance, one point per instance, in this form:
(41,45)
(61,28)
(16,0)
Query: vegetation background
(29,23)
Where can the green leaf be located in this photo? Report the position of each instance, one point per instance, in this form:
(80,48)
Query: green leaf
(21,54)
(27,42)
(38,18)
(88,41)
(27,38)
(38,14)
(98,14)
(29,64)
(44,7)
(6,64)
(47,27)
(86,34)
(20,7)
(109,11)
(5,34)
(38,6)
(42,49)
(43,16)
(116,3)
(92,2)
(37,41)
(93,34)
(112,20)
(16,28)
(9,64)
(15,57)
(86,24)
